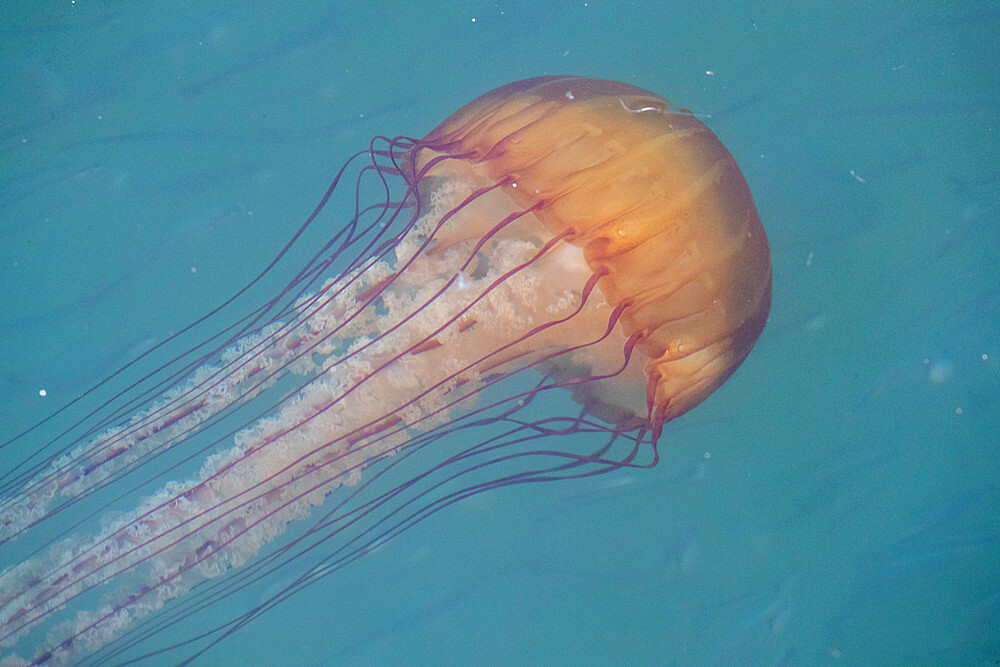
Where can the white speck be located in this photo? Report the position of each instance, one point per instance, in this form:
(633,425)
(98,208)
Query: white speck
(565,53)
(809,259)
(939,371)
(569,93)
(473,20)
(708,455)
(817,322)
(639,110)
(42,392)
(856,177)
(709,72)
(194,269)
(985,356)
(619,482)
(513,185)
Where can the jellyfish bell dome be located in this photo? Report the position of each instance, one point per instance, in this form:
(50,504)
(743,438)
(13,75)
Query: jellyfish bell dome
(654,205)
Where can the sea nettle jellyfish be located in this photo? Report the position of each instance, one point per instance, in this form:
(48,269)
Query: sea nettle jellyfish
(558,234)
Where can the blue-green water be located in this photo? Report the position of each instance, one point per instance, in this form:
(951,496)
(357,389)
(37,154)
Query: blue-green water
(837,501)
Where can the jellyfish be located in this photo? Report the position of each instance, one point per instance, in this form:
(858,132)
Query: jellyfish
(556,235)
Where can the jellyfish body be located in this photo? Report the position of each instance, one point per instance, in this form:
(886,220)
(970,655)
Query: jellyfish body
(558,233)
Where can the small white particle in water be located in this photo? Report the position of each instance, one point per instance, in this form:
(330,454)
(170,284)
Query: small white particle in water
(958,411)
(856,177)
(42,392)
(194,269)
(708,455)
(570,95)
(985,356)
(709,72)
(513,185)
(473,20)
(939,371)
(809,259)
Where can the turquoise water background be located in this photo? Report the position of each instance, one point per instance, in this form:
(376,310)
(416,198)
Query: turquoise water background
(837,501)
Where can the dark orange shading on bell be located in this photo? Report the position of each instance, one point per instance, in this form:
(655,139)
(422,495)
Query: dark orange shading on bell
(659,207)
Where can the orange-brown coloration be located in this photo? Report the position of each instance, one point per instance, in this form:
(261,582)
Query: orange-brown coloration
(374,429)
(375,289)
(426,346)
(656,202)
